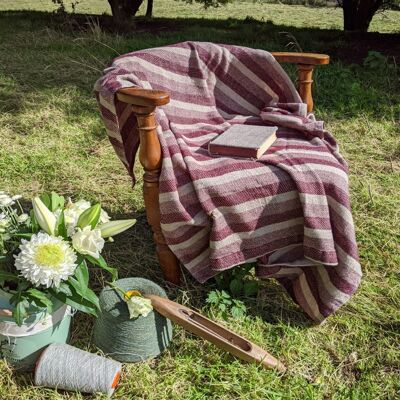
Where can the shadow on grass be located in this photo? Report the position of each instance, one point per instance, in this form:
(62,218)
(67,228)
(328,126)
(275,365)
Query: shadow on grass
(48,61)
(44,54)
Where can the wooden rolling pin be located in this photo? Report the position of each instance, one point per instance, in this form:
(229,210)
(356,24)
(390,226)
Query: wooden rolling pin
(214,333)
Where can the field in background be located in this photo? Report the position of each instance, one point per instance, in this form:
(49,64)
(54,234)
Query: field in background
(52,139)
(279,14)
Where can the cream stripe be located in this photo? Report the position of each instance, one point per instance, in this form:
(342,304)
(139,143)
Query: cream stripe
(321,168)
(199,126)
(348,260)
(318,233)
(198,220)
(239,236)
(317,199)
(247,208)
(190,106)
(334,292)
(196,261)
(214,182)
(309,298)
(240,66)
(172,76)
(342,211)
(110,106)
(191,241)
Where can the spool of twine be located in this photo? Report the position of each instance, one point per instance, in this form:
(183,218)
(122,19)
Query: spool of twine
(62,366)
(125,339)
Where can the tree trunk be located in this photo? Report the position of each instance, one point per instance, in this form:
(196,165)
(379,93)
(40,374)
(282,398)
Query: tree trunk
(357,14)
(149,10)
(124,10)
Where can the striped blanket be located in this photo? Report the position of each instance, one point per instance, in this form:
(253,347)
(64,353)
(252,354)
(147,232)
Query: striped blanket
(288,210)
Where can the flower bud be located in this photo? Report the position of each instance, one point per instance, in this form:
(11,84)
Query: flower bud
(44,217)
(90,217)
(112,228)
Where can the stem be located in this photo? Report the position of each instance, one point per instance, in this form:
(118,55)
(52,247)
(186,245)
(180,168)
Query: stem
(117,288)
(20,207)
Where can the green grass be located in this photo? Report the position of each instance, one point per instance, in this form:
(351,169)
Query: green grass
(52,139)
(280,14)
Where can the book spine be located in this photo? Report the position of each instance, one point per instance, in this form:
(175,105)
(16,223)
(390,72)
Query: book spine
(218,150)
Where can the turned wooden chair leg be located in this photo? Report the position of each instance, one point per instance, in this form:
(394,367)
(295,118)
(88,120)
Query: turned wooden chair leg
(151,158)
(305,81)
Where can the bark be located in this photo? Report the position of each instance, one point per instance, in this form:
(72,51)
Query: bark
(149,9)
(357,14)
(124,10)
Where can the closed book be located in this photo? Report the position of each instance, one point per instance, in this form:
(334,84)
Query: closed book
(248,141)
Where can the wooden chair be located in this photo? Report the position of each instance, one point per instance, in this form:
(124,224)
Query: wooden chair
(144,103)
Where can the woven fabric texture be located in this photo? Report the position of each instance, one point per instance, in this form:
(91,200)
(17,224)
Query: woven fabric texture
(289,210)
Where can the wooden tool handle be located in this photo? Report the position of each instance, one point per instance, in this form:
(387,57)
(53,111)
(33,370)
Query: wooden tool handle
(214,333)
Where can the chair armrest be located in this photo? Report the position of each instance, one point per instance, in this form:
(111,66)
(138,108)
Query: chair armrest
(143,97)
(301,58)
(306,62)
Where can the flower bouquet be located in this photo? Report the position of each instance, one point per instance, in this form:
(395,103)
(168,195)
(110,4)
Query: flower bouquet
(44,255)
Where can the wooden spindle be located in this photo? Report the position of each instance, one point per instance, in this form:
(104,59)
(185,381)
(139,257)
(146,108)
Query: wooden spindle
(150,157)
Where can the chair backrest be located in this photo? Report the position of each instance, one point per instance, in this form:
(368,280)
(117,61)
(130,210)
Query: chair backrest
(216,80)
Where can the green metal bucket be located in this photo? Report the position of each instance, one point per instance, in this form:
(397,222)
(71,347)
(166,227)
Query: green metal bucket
(21,346)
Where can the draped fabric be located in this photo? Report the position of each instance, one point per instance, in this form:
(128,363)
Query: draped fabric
(289,210)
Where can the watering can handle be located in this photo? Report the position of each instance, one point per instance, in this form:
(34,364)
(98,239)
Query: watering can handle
(4,312)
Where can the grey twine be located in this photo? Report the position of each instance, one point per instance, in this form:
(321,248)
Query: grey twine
(130,340)
(65,367)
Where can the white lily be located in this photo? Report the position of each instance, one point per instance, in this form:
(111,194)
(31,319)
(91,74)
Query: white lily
(45,218)
(112,228)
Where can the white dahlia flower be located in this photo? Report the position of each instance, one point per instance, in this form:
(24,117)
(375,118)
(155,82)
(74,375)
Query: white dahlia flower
(87,241)
(45,260)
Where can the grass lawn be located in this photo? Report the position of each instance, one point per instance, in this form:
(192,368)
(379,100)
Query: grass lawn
(52,139)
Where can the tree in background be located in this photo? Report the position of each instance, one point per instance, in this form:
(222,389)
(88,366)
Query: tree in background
(357,14)
(121,10)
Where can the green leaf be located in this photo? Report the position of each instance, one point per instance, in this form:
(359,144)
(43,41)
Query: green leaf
(34,224)
(61,229)
(20,313)
(76,302)
(65,289)
(46,200)
(236,287)
(54,201)
(8,276)
(23,235)
(84,292)
(225,294)
(101,262)
(212,297)
(37,294)
(82,274)
(250,288)
(228,302)
(237,312)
